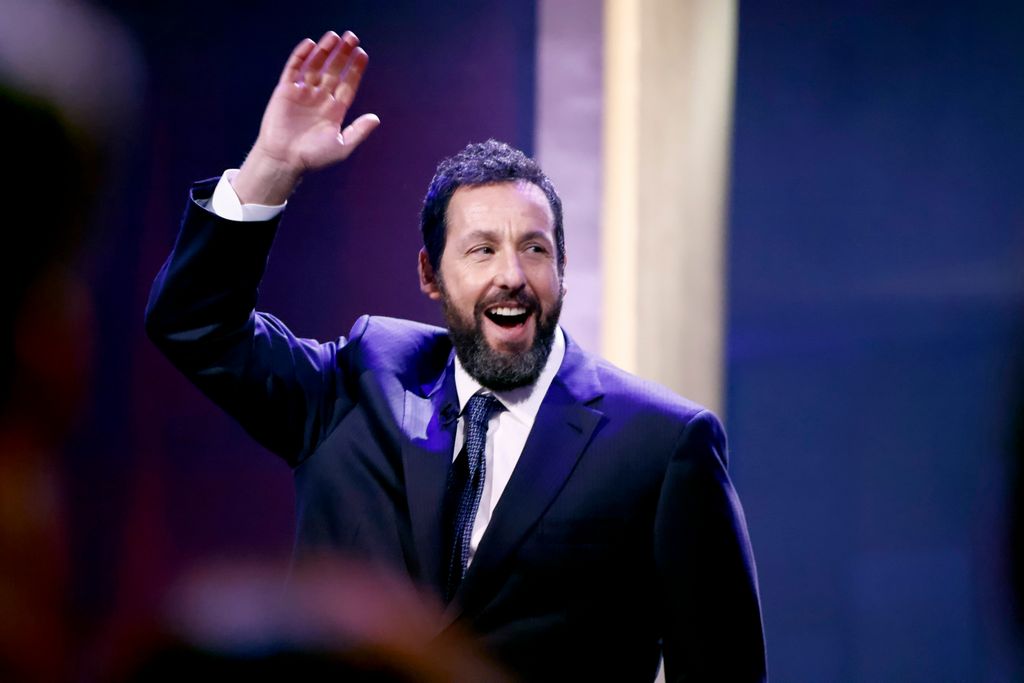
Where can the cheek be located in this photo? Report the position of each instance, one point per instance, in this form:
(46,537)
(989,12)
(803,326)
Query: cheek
(466,290)
(547,286)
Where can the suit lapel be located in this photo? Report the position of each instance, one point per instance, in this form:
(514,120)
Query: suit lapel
(429,426)
(560,433)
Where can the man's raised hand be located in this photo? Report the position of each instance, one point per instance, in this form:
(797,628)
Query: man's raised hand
(300,128)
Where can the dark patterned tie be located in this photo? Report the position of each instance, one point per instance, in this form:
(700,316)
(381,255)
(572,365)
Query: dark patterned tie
(465,485)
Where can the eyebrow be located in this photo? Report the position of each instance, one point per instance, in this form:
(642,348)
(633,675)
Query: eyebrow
(534,234)
(481,233)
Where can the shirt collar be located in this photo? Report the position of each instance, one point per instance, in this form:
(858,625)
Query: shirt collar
(522,402)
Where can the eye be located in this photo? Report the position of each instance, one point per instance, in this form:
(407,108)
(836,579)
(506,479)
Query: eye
(536,249)
(482,250)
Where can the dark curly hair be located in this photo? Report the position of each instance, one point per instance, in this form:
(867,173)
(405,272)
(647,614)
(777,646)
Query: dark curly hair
(482,163)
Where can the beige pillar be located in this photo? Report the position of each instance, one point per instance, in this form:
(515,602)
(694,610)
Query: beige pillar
(669,67)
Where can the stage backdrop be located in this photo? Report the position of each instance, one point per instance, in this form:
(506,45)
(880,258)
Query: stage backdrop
(876,237)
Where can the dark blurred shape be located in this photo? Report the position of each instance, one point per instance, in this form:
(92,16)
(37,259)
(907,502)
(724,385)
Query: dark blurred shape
(57,116)
(325,620)
(54,177)
(179,663)
(1015,523)
(45,361)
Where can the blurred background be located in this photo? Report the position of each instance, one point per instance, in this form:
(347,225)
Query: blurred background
(868,291)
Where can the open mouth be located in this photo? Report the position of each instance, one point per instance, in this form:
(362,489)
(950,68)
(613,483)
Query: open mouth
(508,316)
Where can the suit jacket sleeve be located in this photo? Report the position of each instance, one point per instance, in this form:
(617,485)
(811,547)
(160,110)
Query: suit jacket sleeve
(285,391)
(712,629)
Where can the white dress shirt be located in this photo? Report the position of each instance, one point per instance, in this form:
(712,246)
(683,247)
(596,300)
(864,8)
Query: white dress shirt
(507,429)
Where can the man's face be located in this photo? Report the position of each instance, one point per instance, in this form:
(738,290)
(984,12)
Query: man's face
(498,281)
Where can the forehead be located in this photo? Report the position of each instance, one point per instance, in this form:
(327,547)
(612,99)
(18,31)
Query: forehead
(517,205)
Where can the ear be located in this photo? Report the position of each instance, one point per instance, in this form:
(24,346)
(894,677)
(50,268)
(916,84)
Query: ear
(428,279)
(561,275)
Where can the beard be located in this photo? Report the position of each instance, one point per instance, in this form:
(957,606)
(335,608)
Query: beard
(497,370)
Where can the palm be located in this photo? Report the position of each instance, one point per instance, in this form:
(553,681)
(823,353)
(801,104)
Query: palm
(302,123)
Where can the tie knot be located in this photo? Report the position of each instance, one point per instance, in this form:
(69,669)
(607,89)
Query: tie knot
(479,408)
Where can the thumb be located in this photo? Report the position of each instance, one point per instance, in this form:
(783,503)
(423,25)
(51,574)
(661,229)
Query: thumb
(357,131)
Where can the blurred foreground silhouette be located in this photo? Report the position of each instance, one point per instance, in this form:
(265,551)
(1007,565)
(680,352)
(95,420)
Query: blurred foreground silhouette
(322,620)
(59,115)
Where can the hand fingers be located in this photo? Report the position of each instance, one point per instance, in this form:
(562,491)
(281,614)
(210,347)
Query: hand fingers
(316,60)
(295,61)
(358,130)
(346,90)
(337,61)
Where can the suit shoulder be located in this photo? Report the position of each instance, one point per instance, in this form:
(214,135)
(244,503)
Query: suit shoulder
(401,347)
(640,411)
(645,395)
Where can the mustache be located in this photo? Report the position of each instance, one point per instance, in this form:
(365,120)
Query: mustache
(522,298)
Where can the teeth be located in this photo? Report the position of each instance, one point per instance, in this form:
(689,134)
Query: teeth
(509,311)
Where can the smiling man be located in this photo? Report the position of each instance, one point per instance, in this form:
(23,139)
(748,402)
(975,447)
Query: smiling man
(578,520)
(495,259)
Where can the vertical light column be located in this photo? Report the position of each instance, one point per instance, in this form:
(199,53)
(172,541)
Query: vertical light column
(669,69)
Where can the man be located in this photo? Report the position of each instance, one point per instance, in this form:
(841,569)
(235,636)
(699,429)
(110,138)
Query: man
(579,520)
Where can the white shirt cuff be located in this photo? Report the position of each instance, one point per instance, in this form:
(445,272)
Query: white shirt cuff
(226,204)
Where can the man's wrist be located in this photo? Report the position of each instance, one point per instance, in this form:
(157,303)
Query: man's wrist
(265,180)
(224,202)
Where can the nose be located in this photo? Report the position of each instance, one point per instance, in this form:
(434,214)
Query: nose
(509,271)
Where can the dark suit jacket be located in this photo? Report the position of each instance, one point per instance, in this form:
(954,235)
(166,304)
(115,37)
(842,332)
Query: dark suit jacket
(618,531)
